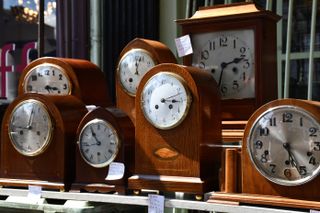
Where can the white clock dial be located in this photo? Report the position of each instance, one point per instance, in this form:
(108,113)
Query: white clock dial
(98,143)
(47,79)
(165,100)
(284,145)
(30,127)
(132,67)
(229,57)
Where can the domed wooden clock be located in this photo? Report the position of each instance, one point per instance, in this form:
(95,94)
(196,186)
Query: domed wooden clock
(178,126)
(281,153)
(37,141)
(236,43)
(65,76)
(137,58)
(104,135)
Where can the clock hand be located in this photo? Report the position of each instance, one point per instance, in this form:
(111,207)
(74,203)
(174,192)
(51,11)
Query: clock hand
(292,159)
(48,88)
(95,137)
(29,125)
(225,64)
(137,66)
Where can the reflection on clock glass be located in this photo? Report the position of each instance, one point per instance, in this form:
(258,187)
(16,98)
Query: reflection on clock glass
(229,57)
(284,145)
(47,79)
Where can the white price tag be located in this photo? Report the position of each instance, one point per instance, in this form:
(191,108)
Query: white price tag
(116,171)
(34,192)
(314,211)
(156,203)
(183,45)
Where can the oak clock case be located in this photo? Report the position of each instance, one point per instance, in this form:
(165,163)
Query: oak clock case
(38,130)
(137,58)
(104,135)
(236,43)
(65,76)
(173,149)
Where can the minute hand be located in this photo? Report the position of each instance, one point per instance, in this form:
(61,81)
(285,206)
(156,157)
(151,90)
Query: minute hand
(225,64)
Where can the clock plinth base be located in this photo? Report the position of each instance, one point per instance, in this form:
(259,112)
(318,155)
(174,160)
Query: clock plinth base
(22,183)
(270,200)
(99,187)
(192,185)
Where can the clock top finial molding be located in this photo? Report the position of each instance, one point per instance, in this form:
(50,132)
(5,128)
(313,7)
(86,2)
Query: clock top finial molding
(236,43)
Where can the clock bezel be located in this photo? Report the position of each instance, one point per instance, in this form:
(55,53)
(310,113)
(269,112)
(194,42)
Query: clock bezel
(118,142)
(188,104)
(46,144)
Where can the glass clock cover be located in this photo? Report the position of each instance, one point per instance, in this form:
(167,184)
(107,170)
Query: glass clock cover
(284,145)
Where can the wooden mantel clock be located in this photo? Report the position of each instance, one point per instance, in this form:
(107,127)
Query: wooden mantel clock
(178,126)
(236,43)
(137,58)
(65,76)
(281,156)
(37,141)
(104,135)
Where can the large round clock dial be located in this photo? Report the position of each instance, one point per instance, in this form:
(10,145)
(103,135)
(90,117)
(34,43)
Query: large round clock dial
(165,100)
(132,67)
(284,145)
(229,57)
(47,79)
(30,127)
(98,143)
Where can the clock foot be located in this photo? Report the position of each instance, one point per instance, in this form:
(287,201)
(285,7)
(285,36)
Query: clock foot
(198,197)
(136,192)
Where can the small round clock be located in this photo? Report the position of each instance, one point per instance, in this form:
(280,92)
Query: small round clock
(165,100)
(65,76)
(98,143)
(135,60)
(30,127)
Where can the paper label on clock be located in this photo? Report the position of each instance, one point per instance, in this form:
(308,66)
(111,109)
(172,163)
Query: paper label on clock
(116,171)
(34,192)
(184,46)
(314,211)
(155,203)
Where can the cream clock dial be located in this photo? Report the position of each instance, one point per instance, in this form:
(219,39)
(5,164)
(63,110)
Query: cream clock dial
(47,79)
(99,143)
(30,127)
(284,145)
(132,67)
(165,100)
(229,57)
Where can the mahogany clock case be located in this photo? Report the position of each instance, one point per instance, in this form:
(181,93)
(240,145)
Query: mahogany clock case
(263,23)
(93,179)
(159,52)
(262,186)
(55,167)
(181,158)
(88,82)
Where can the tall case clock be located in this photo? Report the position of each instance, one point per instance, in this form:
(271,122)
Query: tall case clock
(236,43)
(178,126)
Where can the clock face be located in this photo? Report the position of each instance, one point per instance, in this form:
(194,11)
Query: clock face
(98,143)
(132,67)
(229,57)
(30,127)
(165,100)
(47,79)
(284,145)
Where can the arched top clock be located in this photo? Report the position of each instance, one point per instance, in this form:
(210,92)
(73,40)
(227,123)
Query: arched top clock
(65,76)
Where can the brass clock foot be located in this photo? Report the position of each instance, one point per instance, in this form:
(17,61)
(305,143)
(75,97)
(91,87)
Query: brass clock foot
(198,197)
(136,192)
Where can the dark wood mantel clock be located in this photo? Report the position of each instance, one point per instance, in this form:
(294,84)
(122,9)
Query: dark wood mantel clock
(281,156)
(178,124)
(104,135)
(66,76)
(236,43)
(137,58)
(37,141)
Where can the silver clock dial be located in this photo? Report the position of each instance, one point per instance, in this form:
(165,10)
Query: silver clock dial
(165,100)
(98,143)
(229,57)
(132,67)
(47,79)
(284,145)
(30,127)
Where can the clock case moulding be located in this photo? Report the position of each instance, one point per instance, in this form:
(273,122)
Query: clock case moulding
(188,162)
(55,167)
(89,178)
(159,52)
